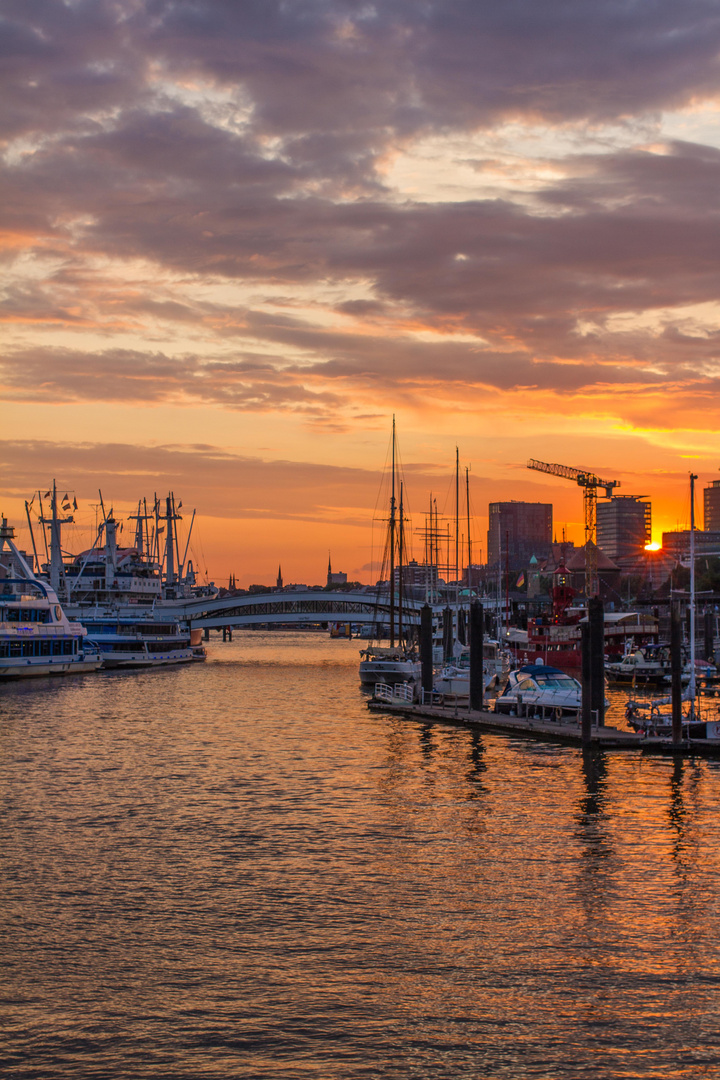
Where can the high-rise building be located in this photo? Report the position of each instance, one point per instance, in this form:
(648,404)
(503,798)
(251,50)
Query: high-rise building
(624,526)
(711,507)
(517,531)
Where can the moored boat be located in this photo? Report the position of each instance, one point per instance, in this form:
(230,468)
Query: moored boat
(36,636)
(542,691)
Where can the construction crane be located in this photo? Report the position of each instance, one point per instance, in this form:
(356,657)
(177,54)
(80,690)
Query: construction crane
(590,484)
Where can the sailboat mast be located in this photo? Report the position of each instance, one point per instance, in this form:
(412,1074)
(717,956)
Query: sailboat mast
(469,538)
(457,522)
(693,478)
(401,536)
(392,543)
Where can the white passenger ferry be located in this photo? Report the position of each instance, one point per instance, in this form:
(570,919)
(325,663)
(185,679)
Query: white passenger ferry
(36,637)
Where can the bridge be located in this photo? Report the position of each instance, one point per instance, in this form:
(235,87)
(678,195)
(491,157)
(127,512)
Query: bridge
(300,607)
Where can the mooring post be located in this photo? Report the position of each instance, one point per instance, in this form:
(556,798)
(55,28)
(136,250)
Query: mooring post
(477,675)
(207,633)
(676,671)
(426,648)
(709,626)
(586,681)
(224,633)
(448,634)
(596,619)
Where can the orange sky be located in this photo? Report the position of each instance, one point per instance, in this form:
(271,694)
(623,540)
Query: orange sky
(236,241)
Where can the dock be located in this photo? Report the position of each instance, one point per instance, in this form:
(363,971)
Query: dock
(569,732)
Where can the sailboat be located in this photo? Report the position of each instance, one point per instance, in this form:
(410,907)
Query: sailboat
(396,662)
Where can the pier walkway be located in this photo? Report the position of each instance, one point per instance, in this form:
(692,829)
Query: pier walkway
(602,738)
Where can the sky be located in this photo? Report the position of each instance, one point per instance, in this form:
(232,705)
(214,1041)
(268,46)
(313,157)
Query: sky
(236,238)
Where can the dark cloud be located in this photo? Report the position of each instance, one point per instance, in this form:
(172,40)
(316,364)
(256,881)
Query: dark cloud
(242,143)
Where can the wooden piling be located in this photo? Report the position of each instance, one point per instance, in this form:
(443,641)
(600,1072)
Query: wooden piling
(426,648)
(676,671)
(477,637)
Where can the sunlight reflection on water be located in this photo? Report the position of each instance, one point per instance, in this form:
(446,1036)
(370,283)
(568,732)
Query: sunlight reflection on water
(235,869)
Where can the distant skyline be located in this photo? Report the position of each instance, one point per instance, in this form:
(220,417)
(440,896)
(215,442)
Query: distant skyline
(237,238)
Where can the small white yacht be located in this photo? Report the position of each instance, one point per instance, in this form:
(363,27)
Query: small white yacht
(454,677)
(36,637)
(541,691)
(387,664)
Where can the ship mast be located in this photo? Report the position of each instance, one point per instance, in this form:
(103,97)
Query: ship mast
(392,543)
(693,478)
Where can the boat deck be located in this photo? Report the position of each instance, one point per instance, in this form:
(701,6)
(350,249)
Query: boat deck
(602,738)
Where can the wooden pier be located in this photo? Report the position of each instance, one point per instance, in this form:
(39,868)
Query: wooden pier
(569,732)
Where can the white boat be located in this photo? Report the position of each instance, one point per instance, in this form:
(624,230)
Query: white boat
(453,680)
(541,691)
(384,664)
(137,641)
(36,636)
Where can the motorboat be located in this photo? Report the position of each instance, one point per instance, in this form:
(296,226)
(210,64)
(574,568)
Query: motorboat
(651,664)
(648,664)
(36,636)
(540,691)
(654,718)
(453,680)
(139,641)
(386,664)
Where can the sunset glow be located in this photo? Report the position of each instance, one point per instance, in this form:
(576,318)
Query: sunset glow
(237,239)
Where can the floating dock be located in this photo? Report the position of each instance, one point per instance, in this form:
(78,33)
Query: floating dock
(569,732)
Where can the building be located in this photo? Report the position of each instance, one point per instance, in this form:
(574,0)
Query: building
(517,531)
(336,578)
(624,526)
(677,543)
(711,507)
(608,573)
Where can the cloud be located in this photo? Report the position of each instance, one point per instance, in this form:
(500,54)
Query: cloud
(172,168)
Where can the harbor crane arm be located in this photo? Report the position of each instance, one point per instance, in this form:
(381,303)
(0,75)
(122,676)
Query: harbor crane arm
(590,483)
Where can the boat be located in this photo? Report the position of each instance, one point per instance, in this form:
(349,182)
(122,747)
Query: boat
(125,596)
(541,691)
(453,679)
(153,570)
(140,641)
(36,636)
(387,664)
(398,661)
(654,719)
(651,664)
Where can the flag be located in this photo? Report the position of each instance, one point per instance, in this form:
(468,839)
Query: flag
(46,495)
(521,580)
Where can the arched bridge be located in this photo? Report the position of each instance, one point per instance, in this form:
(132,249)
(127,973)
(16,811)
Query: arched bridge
(299,607)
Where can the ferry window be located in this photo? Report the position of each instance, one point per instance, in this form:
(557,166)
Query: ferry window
(13,615)
(45,648)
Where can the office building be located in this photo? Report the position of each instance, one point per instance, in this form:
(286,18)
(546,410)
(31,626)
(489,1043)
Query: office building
(517,531)
(624,526)
(711,507)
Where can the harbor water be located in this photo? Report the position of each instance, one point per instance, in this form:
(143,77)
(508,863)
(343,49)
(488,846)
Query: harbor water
(234,869)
